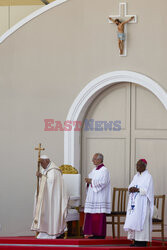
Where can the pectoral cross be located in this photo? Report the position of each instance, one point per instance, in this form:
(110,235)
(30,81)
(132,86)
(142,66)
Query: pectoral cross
(38,168)
(122,38)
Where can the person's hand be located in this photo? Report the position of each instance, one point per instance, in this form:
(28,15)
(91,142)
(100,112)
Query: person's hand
(132,17)
(133,190)
(88,181)
(38,174)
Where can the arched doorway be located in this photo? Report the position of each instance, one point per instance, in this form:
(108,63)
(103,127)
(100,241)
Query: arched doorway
(126,122)
(72,140)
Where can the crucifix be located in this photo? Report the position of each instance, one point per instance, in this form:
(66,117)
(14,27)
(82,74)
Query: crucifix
(121,21)
(38,168)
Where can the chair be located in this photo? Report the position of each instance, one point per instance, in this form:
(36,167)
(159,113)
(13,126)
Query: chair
(72,181)
(159,202)
(119,205)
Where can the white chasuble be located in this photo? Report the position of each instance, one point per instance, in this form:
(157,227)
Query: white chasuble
(98,199)
(140,208)
(51,208)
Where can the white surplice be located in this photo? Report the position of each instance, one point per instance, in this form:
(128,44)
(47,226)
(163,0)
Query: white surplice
(98,199)
(51,209)
(140,208)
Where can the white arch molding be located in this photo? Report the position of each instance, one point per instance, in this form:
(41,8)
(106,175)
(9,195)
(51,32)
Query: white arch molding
(80,105)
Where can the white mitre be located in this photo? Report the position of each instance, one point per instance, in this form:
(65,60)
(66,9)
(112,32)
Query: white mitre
(44,157)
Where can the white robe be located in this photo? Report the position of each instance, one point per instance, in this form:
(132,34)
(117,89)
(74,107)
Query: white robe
(98,199)
(140,208)
(51,209)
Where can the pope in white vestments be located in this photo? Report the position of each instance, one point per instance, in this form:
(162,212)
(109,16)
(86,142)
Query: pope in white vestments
(50,210)
(98,199)
(140,208)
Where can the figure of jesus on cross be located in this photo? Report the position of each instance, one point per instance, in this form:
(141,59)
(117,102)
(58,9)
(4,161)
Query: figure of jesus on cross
(121,34)
(121,20)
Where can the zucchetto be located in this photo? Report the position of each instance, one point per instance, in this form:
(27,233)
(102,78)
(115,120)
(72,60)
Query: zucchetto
(44,157)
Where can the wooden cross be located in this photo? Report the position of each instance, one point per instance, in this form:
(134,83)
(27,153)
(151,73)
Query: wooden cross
(123,16)
(38,168)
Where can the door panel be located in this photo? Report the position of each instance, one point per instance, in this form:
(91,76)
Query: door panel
(149,136)
(114,145)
